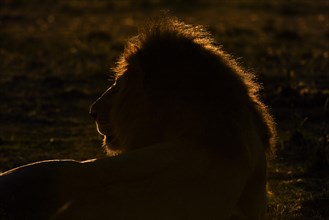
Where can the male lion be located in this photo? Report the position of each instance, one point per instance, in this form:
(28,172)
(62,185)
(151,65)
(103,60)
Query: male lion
(189,133)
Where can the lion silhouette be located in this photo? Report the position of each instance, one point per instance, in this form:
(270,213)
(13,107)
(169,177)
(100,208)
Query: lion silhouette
(186,131)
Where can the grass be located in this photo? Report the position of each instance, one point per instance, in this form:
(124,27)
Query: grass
(54,59)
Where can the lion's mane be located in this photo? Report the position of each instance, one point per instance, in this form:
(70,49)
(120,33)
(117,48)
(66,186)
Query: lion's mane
(197,88)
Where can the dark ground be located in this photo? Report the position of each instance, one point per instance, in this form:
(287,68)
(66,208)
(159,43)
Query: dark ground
(54,59)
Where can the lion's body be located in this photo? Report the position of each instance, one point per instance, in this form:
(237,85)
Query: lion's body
(181,183)
(192,130)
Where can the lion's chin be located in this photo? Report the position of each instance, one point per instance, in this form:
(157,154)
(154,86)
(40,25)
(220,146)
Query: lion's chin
(111,146)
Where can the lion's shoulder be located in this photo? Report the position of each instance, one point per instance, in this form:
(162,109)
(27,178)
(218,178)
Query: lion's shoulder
(43,171)
(181,179)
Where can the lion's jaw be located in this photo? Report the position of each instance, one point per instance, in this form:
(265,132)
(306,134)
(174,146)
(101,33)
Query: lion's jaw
(123,116)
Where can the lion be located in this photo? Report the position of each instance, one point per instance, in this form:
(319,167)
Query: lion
(186,134)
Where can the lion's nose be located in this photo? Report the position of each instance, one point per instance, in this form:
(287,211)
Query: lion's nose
(93,113)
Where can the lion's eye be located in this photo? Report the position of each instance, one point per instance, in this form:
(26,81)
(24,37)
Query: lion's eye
(112,81)
(114,87)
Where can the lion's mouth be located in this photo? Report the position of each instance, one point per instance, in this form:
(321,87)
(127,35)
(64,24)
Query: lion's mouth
(101,130)
(110,141)
(109,138)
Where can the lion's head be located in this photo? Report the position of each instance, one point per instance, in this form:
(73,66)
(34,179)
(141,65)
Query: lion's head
(173,81)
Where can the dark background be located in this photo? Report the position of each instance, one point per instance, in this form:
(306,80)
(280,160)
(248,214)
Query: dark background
(55,56)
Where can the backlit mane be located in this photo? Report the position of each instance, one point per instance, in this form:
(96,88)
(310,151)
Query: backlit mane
(207,74)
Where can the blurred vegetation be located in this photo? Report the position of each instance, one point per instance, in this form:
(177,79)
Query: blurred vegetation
(55,55)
